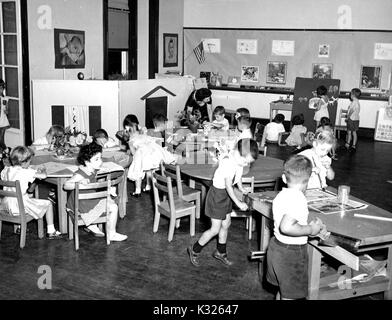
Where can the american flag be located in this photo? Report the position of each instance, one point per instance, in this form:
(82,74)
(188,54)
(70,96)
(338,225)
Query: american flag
(199,53)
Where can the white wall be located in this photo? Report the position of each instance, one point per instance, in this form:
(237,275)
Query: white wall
(91,93)
(44,16)
(171,20)
(142,39)
(287,14)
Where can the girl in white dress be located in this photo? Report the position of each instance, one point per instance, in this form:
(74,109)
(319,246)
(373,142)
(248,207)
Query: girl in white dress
(147,155)
(20,170)
(4,123)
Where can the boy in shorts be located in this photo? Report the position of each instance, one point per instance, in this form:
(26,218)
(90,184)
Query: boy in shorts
(287,257)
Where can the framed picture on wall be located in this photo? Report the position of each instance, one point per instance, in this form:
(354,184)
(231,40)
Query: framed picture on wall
(250,73)
(370,77)
(276,72)
(322,70)
(170,50)
(69,49)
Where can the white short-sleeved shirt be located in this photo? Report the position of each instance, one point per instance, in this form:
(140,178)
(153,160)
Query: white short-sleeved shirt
(323,111)
(272,130)
(245,134)
(291,202)
(356,108)
(224,122)
(314,181)
(227,168)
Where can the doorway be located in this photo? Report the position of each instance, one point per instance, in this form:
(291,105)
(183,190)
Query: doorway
(120,39)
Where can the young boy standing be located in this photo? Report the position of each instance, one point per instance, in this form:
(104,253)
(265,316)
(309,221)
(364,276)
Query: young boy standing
(287,257)
(353,119)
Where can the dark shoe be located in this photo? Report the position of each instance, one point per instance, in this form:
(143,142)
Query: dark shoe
(17,231)
(136,195)
(353,149)
(54,236)
(222,257)
(193,256)
(97,235)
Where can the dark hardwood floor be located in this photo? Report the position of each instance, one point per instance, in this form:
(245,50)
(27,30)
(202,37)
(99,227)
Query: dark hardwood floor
(147,266)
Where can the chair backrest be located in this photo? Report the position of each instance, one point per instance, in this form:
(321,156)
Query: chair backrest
(164,185)
(174,172)
(16,192)
(96,190)
(248,183)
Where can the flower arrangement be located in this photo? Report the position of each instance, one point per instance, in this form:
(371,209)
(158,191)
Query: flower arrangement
(69,143)
(189,119)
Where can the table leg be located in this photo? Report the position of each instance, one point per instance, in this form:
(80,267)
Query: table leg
(61,205)
(388,293)
(122,194)
(314,272)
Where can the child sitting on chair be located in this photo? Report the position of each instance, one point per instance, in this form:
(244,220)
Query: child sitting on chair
(123,135)
(272,130)
(102,138)
(20,158)
(220,122)
(147,156)
(49,138)
(90,158)
(243,128)
(298,131)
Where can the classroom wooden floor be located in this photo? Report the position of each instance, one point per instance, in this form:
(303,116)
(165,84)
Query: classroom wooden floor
(147,267)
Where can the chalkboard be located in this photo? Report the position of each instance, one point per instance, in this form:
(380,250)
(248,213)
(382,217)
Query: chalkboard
(343,52)
(304,91)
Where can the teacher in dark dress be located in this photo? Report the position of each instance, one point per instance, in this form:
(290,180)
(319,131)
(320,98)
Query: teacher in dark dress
(199,100)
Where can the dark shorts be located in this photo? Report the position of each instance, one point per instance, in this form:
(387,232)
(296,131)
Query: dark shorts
(352,125)
(287,268)
(218,203)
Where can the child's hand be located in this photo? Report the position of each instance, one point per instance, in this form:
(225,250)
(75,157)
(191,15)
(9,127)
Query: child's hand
(243,206)
(84,181)
(315,228)
(244,190)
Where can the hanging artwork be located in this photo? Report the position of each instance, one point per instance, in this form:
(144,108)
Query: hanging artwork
(246,46)
(323,51)
(383,51)
(212,45)
(322,71)
(276,72)
(370,77)
(250,73)
(170,50)
(282,48)
(69,49)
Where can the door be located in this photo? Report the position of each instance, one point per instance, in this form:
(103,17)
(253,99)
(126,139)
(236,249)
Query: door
(155,106)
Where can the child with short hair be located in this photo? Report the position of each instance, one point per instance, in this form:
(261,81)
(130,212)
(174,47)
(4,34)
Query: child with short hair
(102,138)
(287,256)
(298,131)
(90,159)
(49,138)
(272,130)
(220,122)
(325,124)
(220,197)
(353,119)
(20,169)
(159,121)
(241,112)
(243,127)
(323,142)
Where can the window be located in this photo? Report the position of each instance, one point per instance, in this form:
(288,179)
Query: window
(10,59)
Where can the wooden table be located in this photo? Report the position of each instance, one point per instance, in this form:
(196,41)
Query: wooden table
(368,235)
(59,177)
(280,105)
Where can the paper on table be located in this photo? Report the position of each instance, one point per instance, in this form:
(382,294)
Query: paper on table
(329,206)
(59,169)
(110,167)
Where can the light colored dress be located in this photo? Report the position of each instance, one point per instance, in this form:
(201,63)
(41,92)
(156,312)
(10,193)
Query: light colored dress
(34,207)
(295,139)
(148,156)
(323,111)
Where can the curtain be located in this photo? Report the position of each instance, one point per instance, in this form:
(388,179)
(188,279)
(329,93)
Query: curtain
(77,118)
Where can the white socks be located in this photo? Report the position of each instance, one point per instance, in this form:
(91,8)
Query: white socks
(51,228)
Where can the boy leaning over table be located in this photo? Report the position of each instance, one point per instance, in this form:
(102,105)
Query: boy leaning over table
(287,257)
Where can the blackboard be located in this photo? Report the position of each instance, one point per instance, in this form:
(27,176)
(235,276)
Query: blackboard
(303,92)
(348,51)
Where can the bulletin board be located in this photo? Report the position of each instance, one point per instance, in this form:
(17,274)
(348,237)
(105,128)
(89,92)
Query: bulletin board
(302,53)
(383,131)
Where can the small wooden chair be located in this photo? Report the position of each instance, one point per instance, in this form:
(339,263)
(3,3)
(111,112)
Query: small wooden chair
(74,219)
(341,122)
(23,218)
(172,207)
(248,183)
(183,191)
